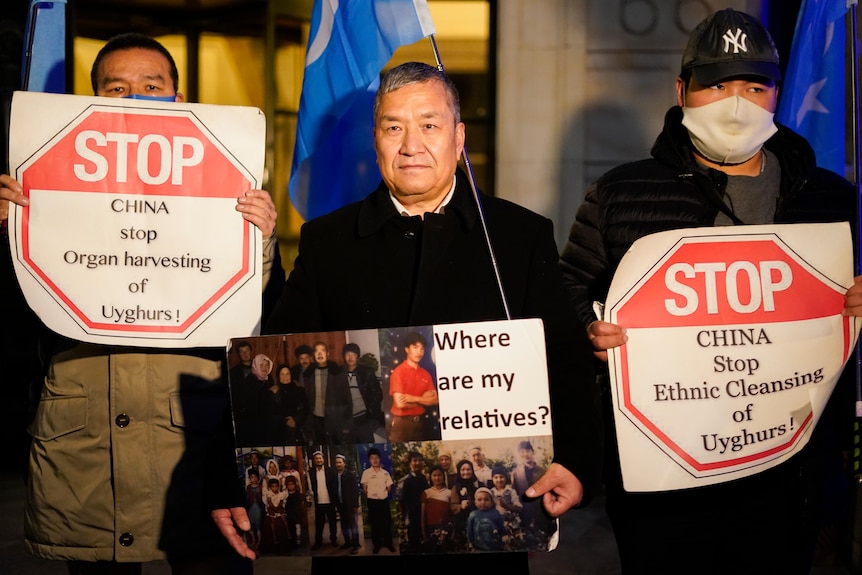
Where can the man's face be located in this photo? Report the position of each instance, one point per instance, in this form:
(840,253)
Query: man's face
(253,459)
(304,360)
(374,460)
(445,461)
(478,457)
(415,352)
(245,354)
(418,142)
(351,359)
(339,465)
(527,456)
(320,355)
(318,460)
(135,71)
(760,91)
(416,464)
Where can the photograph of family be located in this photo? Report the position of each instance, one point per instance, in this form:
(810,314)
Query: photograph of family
(384,498)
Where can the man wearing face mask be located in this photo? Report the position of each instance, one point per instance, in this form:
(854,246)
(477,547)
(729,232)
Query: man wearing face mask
(720,160)
(132,457)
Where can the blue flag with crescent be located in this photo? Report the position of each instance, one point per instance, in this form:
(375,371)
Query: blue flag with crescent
(350,41)
(812,95)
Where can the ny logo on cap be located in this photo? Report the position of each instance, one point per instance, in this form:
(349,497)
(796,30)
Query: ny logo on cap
(737,39)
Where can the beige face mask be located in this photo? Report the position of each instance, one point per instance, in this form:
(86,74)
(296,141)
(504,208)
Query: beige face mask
(728,131)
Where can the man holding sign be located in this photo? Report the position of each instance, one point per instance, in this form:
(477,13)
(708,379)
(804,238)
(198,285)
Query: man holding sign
(720,160)
(421,231)
(132,447)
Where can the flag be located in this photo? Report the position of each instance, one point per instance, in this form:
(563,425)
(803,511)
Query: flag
(349,43)
(44,65)
(812,95)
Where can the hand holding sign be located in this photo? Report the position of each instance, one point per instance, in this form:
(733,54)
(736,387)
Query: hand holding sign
(10,191)
(853,299)
(604,336)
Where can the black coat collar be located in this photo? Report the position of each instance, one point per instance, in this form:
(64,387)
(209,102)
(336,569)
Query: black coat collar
(376,209)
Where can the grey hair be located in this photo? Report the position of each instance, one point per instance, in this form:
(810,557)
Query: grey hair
(417,73)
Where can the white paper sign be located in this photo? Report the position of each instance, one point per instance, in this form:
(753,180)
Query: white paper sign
(131,236)
(736,340)
(492,379)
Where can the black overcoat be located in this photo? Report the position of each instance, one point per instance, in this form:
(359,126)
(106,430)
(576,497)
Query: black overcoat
(366,266)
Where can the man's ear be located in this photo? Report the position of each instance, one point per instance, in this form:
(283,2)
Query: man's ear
(179,97)
(680,92)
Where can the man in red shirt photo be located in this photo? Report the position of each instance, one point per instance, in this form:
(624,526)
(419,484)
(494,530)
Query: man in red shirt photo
(412,390)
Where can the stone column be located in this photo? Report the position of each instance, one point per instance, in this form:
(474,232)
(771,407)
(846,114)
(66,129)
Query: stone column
(583,85)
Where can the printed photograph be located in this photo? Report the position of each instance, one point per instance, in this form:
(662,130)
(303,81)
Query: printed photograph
(339,447)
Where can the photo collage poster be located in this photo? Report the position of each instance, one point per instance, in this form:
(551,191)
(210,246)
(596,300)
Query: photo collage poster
(393,441)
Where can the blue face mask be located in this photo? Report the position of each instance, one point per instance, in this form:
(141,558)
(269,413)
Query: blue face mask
(152,98)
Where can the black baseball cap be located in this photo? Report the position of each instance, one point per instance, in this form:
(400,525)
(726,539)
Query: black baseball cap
(730,43)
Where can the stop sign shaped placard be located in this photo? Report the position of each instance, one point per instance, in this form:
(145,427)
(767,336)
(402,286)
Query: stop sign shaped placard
(142,152)
(132,229)
(723,372)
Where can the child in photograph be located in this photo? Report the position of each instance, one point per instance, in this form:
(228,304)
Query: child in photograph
(506,499)
(485,526)
(293,510)
(254,502)
(290,468)
(462,501)
(436,511)
(276,536)
(376,485)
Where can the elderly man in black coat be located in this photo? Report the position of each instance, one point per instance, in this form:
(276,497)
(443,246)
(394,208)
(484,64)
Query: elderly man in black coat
(422,234)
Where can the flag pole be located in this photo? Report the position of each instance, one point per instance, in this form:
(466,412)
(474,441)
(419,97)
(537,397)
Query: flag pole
(472,178)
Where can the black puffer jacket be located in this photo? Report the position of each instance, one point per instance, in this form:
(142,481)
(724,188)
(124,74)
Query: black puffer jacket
(669,191)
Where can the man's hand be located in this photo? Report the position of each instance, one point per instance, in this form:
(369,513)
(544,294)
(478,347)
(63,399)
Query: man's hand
(227,521)
(604,335)
(853,299)
(10,191)
(559,489)
(256,206)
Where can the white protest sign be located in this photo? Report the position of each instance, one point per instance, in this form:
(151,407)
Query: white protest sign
(131,236)
(492,379)
(736,340)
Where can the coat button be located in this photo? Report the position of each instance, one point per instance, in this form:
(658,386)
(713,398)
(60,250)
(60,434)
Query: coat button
(126,539)
(122,420)
(410,235)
